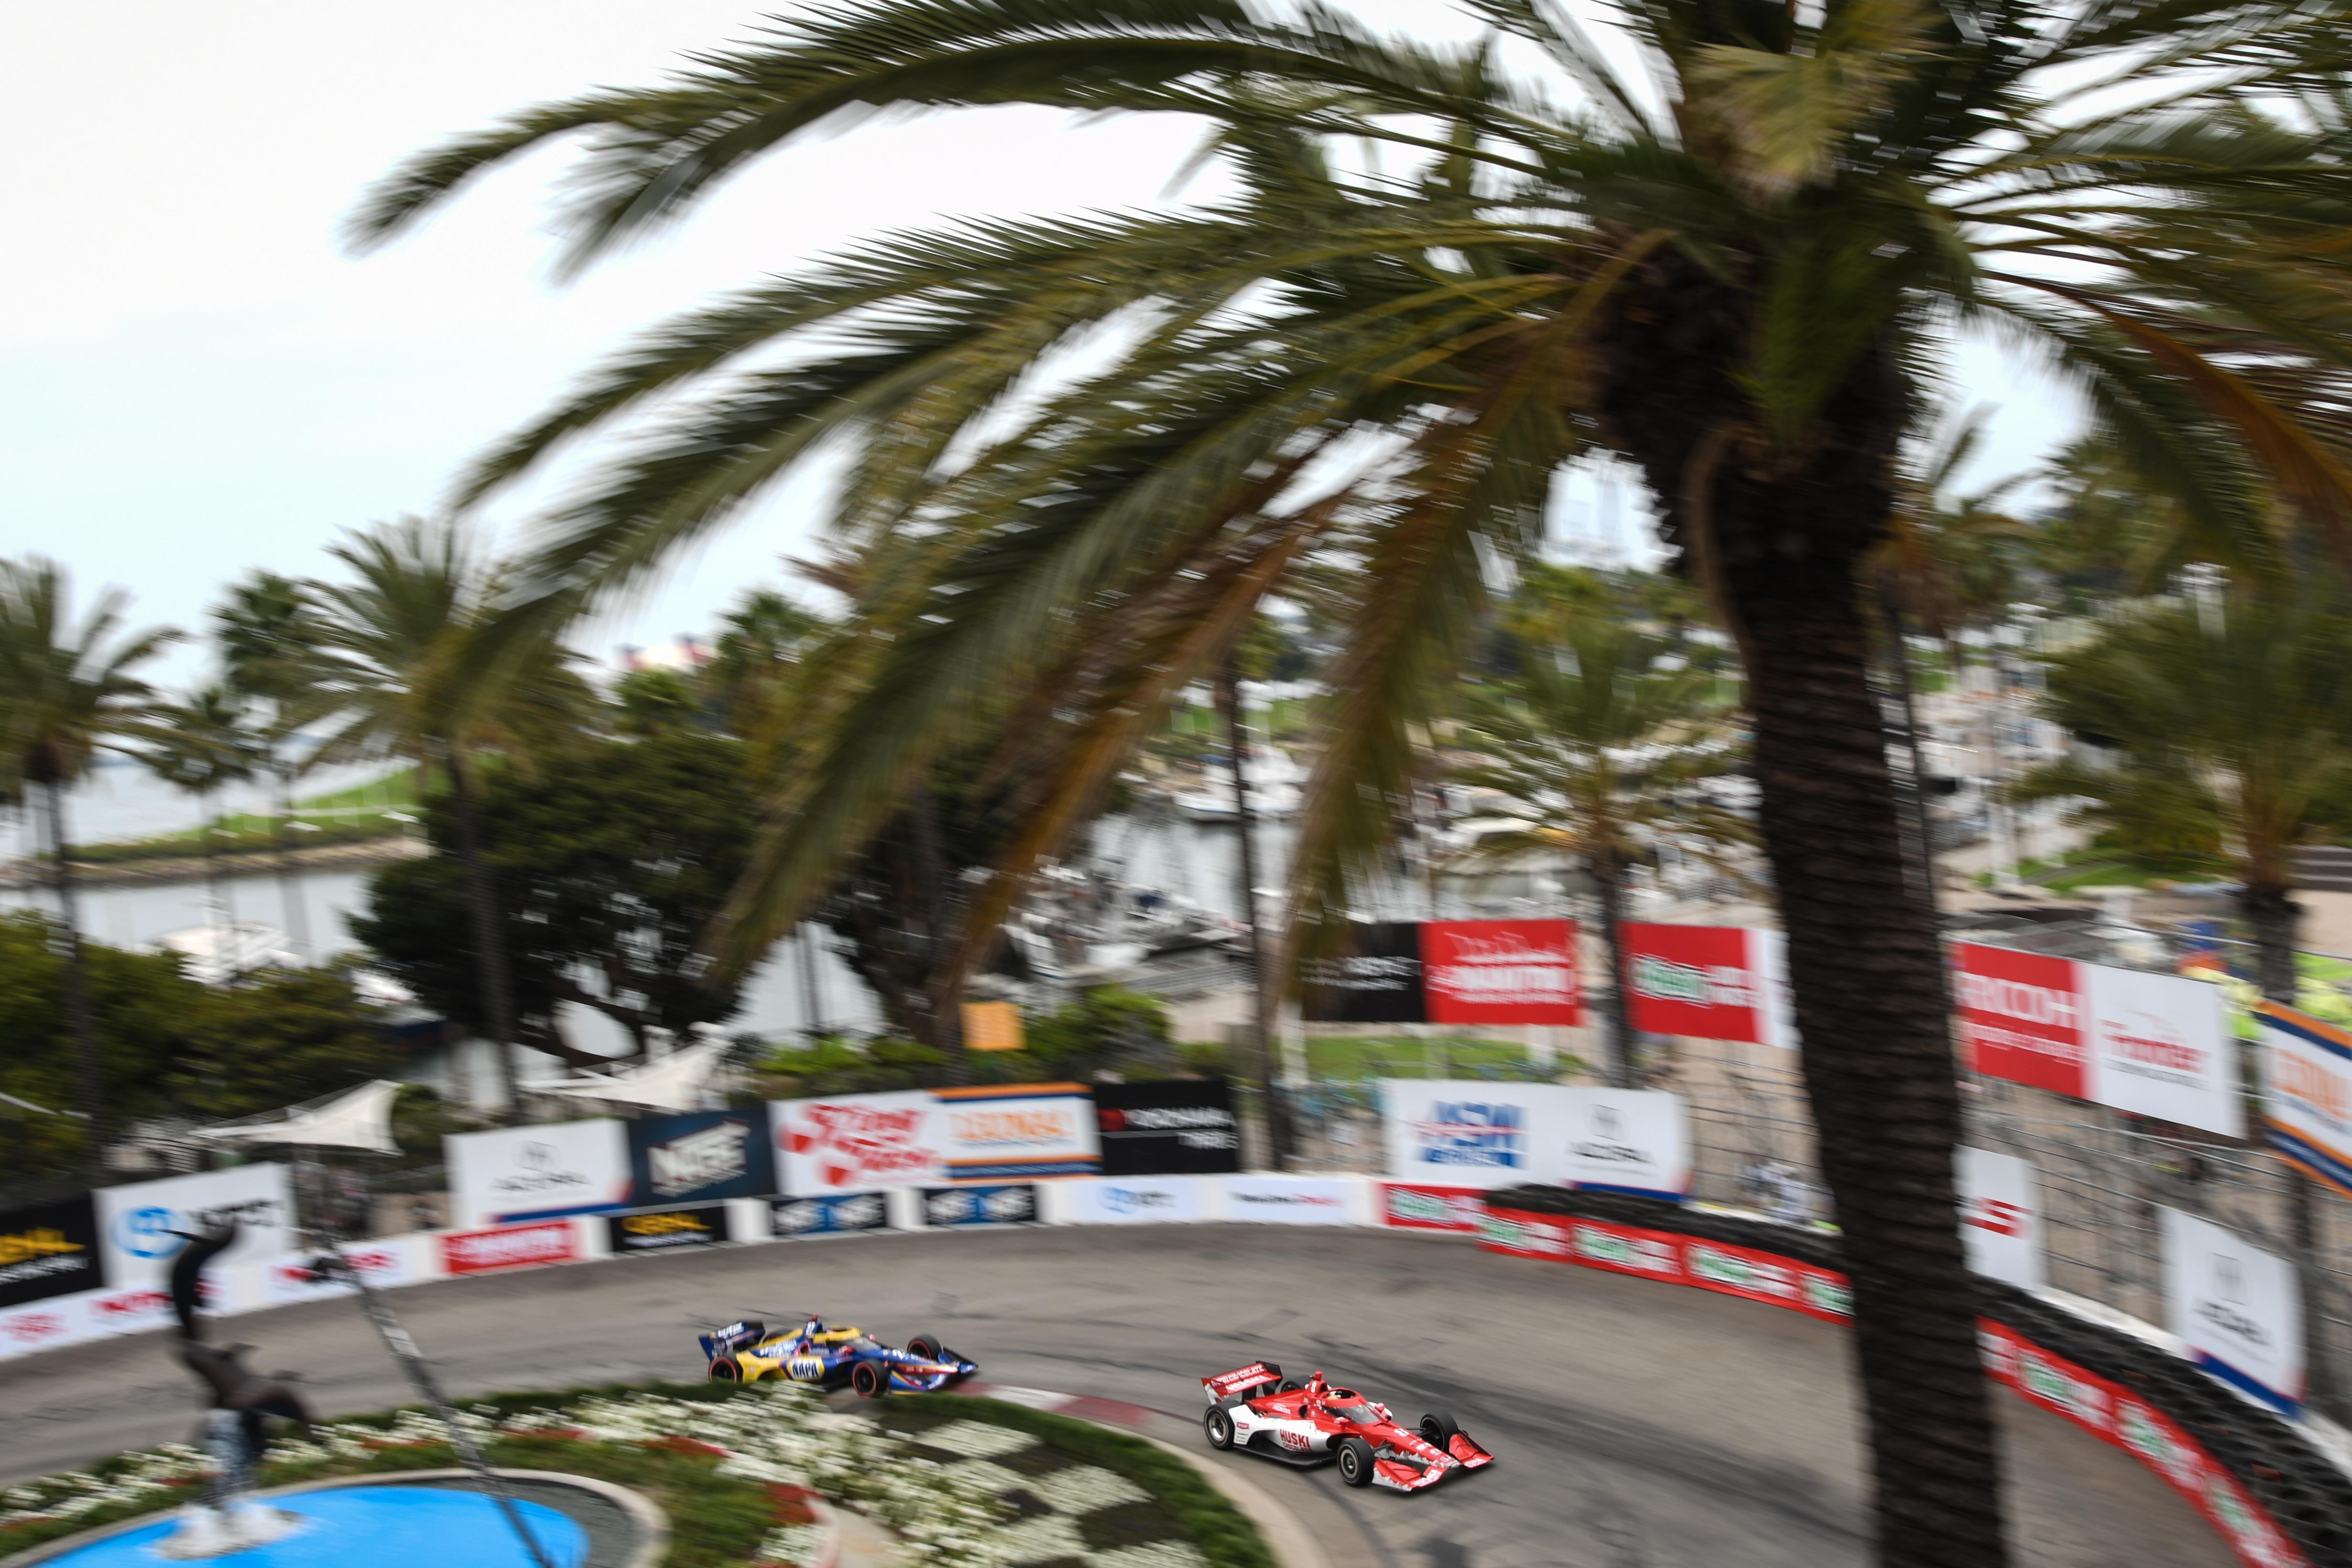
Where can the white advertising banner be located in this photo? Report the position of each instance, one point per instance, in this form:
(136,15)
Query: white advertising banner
(541,1172)
(2160,1046)
(1017,1132)
(1288,1200)
(856,1143)
(1618,1140)
(390,1262)
(52,1324)
(2236,1307)
(136,1223)
(2000,1216)
(1135,1200)
(1457,1133)
(1775,1009)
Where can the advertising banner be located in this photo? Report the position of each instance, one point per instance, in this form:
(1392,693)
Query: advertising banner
(1453,1133)
(1378,981)
(2307,1092)
(50,1250)
(2154,1045)
(854,1142)
(45,1325)
(1286,1200)
(2236,1307)
(1620,1139)
(668,1229)
(701,1156)
(952,1208)
(1017,1130)
(830,1213)
(1140,1200)
(386,1263)
(1412,1207)
(541,1172)
(509,1247)
(1500,971)
(136,1310)
(2000,1216)
(1173,1127)
(136,1223)
(1708,982)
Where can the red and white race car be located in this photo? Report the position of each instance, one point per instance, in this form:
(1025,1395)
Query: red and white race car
(1259,1411)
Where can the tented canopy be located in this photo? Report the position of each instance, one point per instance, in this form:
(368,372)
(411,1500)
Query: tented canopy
(674,1083)
(356,1119)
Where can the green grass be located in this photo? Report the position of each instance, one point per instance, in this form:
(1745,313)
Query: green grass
(341,816)
(1350,1058)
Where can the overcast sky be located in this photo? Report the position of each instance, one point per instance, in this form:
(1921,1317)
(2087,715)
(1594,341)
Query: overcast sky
(195,379)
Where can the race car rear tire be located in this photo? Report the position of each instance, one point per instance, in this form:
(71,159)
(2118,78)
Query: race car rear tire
(927,1346)
(1438,1430)
(1219,1428)
(870,1379)
(1355,1461)
(724,1370)
(1290,1385)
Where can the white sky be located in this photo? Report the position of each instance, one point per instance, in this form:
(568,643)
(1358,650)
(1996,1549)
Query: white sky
(195,379)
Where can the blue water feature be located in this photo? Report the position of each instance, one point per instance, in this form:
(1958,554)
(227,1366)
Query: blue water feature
(371,1527)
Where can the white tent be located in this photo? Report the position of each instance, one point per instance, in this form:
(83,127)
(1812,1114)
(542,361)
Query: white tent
(674,1083)
(356,1119)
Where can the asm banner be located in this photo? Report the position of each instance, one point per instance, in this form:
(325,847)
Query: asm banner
(2307,1092)
(1708,982)
(2154,1045)
(1474,1134)
(1450,971)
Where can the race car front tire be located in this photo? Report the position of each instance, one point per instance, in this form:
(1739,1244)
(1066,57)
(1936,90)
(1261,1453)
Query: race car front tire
(924,1345)
(870,1379)
(1219,1427)
(1438,1430)
(1355,1461)
(724,1370)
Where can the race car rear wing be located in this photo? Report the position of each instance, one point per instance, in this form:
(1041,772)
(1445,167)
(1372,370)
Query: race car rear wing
(732,1338)
(1242,1381)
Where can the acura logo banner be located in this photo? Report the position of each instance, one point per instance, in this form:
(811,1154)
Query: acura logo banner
(1176,1127)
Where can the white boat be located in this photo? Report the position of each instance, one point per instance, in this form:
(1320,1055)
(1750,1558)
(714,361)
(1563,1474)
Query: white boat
(1277,788)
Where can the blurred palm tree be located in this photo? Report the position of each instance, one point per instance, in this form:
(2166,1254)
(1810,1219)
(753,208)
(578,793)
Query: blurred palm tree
(1442,272)
(65,694)
(1603,742)
(270,636)
(417,658)
(202,745)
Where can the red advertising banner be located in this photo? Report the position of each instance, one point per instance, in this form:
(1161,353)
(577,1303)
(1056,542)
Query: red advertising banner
(1409,1206)
(1500,971)
(1692,981)
(509,1247)
(2021,1017)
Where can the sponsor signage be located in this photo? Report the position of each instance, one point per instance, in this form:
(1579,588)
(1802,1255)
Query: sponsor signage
(50,1250)
(1620,1139)
(133,1311)
(668,1229)
(137,1223)
(43,1325)
(854,1142)
(2307,1092)
(1411,1207)
(1449,971)
(1140,1200)
(1286,1200)
(2235,1307)
(2000,1216)
(701,1157)
(387,1264)
(541,1172)
(1471,1132)
(949,1208)
(1708,982)
(832,1214)
(1016,1131)
(509,1247)
(2154,1045)
(1173,1127)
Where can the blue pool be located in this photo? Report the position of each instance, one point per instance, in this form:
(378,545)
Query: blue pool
(371,1527)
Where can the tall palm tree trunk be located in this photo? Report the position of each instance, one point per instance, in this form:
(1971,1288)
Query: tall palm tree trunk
(1277,1116)
(489,935)
(1618,1018)
(89,1062)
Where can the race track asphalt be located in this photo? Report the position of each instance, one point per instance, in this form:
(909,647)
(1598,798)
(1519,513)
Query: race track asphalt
(1636,1424)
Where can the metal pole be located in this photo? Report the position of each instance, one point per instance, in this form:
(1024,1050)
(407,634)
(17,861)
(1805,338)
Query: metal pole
(1278,1139)
(420,1372)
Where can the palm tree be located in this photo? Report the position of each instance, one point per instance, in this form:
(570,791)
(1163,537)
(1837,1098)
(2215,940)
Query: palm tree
(1442,271)
(202,746)
(1603,742)
(270,638)
(66,693)
(417,659)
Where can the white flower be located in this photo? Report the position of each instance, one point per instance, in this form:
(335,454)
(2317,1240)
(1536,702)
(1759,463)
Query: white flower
(979,1440)
(1084,1489)
(1152,1554)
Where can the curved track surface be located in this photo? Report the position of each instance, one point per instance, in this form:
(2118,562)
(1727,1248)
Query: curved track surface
(1636,1424)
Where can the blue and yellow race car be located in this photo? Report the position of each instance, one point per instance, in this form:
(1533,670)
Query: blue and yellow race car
(830,1358)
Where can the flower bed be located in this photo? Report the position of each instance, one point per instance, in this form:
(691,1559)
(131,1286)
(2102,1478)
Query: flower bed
(962,1482)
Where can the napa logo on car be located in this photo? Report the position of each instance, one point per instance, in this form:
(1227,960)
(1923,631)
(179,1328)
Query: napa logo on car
(1492,1134)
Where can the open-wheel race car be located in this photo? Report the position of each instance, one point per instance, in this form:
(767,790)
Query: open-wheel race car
(1259,1411)
(830,1358)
